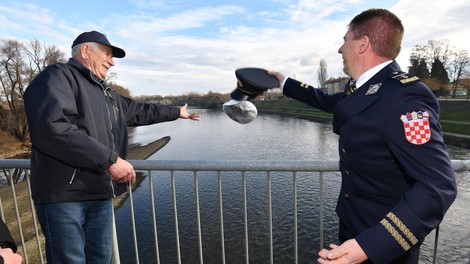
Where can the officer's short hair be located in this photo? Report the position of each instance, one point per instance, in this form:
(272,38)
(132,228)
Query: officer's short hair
(383,28)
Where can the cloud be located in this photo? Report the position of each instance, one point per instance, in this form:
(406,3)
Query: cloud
(179,46)
(433,20)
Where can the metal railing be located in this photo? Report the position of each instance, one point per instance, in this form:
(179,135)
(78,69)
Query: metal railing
(197,166)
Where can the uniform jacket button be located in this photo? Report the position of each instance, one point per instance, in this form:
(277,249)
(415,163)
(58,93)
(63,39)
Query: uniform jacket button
(343,150)
(346,195)
(346,171)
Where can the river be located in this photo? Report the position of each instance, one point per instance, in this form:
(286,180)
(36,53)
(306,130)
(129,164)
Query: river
(217,137)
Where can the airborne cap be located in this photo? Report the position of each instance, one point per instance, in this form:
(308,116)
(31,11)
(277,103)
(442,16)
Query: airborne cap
(95,36)
(252,82)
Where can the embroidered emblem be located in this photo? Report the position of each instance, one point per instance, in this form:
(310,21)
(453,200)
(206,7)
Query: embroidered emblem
(373,89)
(239,83)
(304,85)
(417,129)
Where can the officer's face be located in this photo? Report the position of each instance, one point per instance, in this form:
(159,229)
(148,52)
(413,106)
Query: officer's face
(100,59)
(349,51)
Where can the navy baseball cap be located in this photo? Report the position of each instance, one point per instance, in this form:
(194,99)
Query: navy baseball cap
(95,36)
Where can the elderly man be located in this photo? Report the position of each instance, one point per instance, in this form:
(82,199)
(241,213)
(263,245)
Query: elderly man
(78,128)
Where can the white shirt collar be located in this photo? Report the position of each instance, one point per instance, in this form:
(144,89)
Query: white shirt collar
(371,72)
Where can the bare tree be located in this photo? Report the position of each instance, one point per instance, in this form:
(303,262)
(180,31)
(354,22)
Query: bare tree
(459,67)
(11,71)
(439,50)
(444,63)
(120,89)
(322,74)
(19,64)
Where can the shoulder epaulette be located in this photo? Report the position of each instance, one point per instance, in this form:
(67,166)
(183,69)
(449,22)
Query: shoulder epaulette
(404,78)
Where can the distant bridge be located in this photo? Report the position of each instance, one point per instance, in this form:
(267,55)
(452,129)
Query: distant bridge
(206,102)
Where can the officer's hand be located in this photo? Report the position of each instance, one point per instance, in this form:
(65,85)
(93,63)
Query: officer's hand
(279,76)
(347,253)
(122,171)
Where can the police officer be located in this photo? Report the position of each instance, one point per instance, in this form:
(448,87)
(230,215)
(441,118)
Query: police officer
(397,179)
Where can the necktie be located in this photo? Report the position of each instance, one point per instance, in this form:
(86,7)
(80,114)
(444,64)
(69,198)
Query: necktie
(352,87)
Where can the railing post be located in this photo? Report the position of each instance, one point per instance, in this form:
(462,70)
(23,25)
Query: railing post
(198,215)
(245,209)
(116,257)
(221,209)
(296,236)
(321,209)
(270,209)
(436,241)
(175,211)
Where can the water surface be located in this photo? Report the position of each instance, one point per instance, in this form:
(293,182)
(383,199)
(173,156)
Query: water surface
(217,137)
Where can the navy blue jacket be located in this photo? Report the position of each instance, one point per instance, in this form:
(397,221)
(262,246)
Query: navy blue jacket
(396,186)
(78,128)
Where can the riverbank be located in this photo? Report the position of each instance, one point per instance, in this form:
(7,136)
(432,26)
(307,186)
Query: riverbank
(455,117)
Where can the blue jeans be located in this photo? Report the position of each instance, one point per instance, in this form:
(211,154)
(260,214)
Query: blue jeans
(77,232)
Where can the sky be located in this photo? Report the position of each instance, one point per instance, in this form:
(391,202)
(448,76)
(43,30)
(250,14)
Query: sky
(176,47)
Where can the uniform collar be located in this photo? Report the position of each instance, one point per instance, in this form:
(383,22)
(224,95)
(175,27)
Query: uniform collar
(370,73)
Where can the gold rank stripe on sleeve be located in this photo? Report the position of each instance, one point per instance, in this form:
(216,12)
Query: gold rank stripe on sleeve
(399,238)
(411,237)
(403,229)
(304,85)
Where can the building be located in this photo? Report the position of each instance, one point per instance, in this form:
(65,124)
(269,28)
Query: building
(335,85)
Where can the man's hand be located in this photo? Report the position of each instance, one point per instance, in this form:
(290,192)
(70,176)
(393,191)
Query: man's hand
(184,114)
(350,252)
(122,171)
(279,76)
(9,257)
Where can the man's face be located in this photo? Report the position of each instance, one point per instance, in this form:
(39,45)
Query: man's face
(100,59)
(349,50)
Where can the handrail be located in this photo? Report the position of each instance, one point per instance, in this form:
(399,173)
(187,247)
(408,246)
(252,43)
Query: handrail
(219,166)
(230,165)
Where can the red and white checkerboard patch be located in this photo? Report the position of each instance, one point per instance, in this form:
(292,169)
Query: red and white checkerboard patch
(417,129)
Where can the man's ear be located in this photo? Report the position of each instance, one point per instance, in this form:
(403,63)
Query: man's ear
(84,51)
(364,44)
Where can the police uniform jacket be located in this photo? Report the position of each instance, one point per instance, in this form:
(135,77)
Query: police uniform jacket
(397,178)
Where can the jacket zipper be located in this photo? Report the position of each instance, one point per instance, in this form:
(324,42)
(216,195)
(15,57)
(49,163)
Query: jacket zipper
(73,176)
(106,93)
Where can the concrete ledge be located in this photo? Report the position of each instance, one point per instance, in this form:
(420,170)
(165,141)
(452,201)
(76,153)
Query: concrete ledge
(457,140)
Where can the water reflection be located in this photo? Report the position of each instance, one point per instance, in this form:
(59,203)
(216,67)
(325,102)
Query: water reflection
(267,138)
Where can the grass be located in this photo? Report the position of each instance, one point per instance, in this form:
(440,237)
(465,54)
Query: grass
(455,111)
